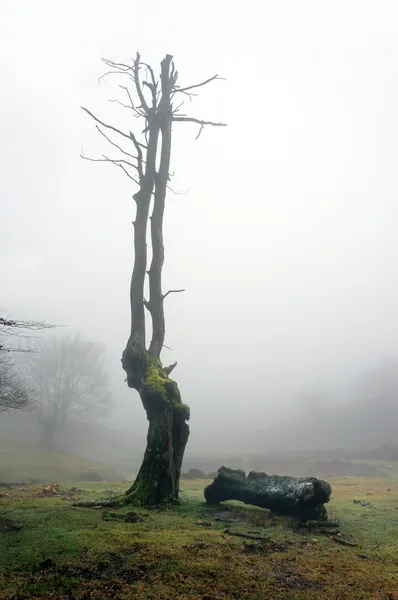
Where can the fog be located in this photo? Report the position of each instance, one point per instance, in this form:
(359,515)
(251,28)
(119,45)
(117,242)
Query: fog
(285,235)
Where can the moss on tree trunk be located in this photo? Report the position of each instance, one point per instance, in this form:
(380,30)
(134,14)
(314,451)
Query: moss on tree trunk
(157,483)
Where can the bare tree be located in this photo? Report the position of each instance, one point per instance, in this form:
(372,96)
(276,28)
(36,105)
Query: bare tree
(145,159)
(14,393)
(70,381)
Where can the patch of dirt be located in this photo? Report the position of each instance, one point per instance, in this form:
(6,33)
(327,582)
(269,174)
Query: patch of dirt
(198,545)
(362,503)
(103,577)
(263,548)
(293,580)
(130,517)
(55,490)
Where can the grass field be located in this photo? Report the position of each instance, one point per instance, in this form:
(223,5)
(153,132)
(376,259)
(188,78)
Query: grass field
(58,551)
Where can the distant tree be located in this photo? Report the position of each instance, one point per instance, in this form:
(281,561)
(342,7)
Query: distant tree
(145,159)
(69,378)
(14,393)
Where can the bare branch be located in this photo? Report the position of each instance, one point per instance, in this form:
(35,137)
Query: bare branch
(189,94)
(114,73)
(120,66)
(172,292)
(116,146)
(105,124)
(138,87)
(118,162)
(177,108)
(149,68)
(198,121)
(106,159)
(115,101)
(200,131)
(138,147)
(179,193)
(139,113)
(196,85)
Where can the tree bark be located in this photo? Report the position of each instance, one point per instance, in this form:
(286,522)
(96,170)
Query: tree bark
(302,497)
(157,482)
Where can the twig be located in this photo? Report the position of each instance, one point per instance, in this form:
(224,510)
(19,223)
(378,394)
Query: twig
(117,163)
(139,113)
(199,122)
(113,73)
(105,124)
(344,542)
(139,152)
(196,85)
(116,146)
(172,292)
(247,536)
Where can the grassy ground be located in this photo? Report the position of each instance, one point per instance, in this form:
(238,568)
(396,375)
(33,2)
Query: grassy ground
(185,554)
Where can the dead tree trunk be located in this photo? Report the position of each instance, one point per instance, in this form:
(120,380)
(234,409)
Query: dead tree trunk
(157,482)
(302,497)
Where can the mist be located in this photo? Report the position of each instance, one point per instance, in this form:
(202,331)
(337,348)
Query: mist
(284,235)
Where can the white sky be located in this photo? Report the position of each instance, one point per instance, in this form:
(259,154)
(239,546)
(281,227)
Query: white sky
(287,238)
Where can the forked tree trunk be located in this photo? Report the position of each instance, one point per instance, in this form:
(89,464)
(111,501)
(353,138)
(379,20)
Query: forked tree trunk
(157,482)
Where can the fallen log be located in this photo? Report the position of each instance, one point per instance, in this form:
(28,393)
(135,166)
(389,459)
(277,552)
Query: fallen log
(301,497)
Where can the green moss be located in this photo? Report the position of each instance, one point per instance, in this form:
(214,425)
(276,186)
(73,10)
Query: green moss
(158,386)
(156,380)
(183,411)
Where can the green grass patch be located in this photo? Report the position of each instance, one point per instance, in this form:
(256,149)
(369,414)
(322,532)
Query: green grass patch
(184,554)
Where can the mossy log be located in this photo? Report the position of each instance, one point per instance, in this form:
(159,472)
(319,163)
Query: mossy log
(301,497)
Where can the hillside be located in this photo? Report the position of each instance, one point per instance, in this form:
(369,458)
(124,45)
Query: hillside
(119,450)
(24,461)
